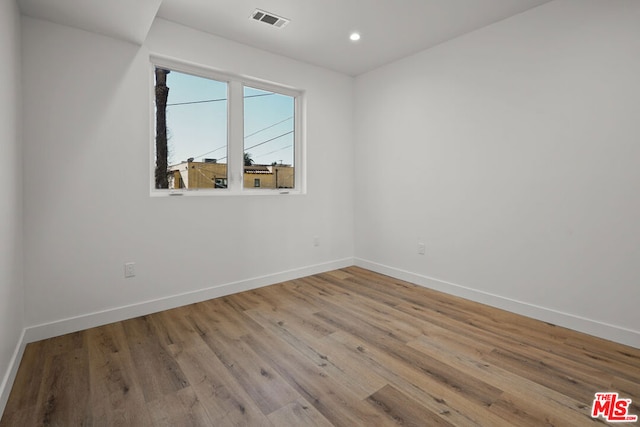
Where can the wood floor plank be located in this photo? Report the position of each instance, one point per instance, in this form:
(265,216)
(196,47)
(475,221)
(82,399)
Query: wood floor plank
(180,327)
(182,408)
(445,318)
(348,347)
(559,409)
(627,387)
(404,410)
(546,367)
(474,317)
(333,401)
(116,395)
(431,393)
(21,406)
(64,398)
(259,379)
(377,314)
(516,408)
(552,376)
(158,372)
(224,400)
(617,359)
(220,316)
(339,365)
(474,390)
(298,413)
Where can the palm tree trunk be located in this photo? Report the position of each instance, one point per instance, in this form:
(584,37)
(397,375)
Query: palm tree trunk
(162,94)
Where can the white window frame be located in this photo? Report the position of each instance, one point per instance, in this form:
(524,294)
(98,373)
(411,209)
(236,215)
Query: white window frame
(235,130)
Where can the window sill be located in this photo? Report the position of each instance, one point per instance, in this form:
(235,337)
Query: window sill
(224,193)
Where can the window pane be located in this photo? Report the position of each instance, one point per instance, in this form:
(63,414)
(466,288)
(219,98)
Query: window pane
(196,131)
(268,139)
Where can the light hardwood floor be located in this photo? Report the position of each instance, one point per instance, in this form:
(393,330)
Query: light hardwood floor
(344,348)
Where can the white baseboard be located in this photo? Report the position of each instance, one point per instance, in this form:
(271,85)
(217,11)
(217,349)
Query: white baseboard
(90,320)
(577,323)
(10,375)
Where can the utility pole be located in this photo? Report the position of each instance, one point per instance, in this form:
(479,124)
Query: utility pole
(162,94)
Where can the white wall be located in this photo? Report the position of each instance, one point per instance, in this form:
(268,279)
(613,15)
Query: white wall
(511,152)
(514,153)
(11,289)
(87,203)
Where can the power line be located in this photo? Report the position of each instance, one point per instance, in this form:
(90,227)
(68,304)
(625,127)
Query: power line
(215,100)
(275,151)
(268,127)
(268,140)
(247,136)
(209,152)
(196,102)
(261,143)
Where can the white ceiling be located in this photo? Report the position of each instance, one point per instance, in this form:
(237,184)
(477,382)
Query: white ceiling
(318,32)
(128,20)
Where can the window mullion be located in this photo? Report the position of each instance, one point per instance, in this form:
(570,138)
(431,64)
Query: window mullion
(236,136)
(299,154)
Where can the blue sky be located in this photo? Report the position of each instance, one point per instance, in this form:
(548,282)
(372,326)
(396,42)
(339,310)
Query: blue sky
(197,121)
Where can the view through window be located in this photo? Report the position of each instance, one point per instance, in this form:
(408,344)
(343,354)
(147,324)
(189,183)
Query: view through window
(268,139)
(195,128)
(192,135)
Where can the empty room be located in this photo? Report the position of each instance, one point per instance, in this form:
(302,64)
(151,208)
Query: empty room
(319,213)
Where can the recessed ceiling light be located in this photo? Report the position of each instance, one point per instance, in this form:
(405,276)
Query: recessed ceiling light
(354,37)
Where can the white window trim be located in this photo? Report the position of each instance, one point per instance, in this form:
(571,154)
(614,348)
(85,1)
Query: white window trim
(235,130)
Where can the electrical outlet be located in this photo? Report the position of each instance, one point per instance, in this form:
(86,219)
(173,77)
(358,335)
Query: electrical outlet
(129,269)
(421,248)
(316,241)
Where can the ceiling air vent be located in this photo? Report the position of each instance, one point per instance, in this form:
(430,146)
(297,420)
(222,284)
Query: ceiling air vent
(269,18)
